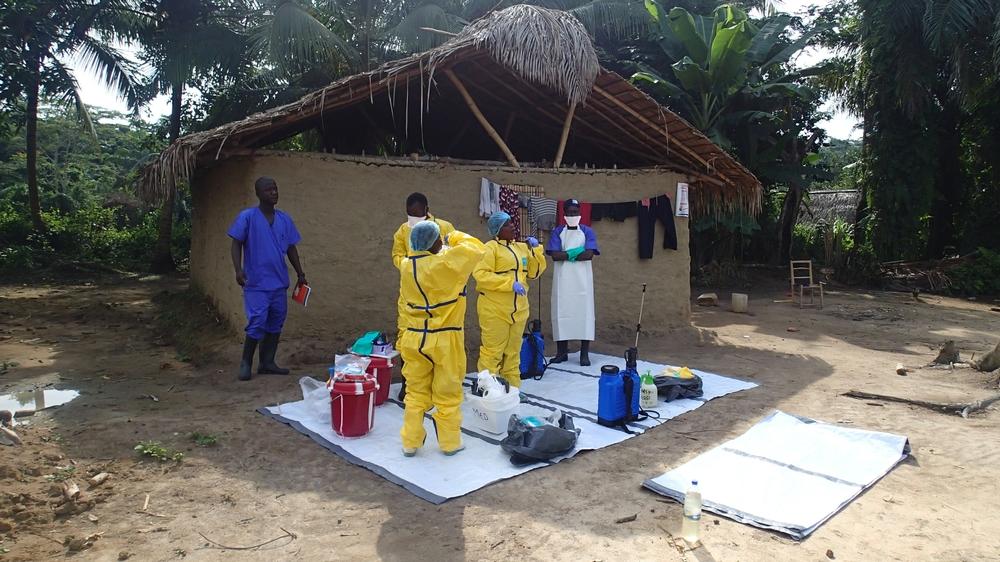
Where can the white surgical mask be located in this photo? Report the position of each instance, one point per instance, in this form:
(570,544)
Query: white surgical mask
(412,221)
(572,221)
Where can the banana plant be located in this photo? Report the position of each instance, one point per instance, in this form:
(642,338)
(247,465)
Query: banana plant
(717,62)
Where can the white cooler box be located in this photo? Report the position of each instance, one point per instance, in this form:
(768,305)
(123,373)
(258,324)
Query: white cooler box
(492,415)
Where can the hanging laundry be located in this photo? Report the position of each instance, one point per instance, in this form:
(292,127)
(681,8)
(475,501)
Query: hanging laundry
(614,211)
(509,204)
(658,209)
(585,210)
(489,198)
(542,213)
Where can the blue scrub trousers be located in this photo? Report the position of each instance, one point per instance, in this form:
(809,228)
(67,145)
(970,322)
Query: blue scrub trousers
(266,311)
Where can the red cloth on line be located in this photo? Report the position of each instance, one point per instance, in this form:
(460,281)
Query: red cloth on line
(584,213)
(509,205)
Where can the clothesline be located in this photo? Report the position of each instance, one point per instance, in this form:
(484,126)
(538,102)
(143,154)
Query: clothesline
(544,214)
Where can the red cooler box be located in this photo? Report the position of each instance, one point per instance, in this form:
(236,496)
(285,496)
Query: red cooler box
(380,369)
(352,405)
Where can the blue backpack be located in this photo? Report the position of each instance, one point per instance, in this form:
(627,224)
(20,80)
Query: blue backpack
(533,363)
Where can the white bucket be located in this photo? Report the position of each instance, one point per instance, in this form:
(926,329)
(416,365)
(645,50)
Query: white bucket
(491,416)
(740,302)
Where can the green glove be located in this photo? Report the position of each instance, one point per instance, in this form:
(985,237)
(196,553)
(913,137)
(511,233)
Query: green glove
(575,253)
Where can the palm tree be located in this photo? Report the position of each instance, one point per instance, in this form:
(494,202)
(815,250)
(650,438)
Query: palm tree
(916,72)
(181,39)
(44,35)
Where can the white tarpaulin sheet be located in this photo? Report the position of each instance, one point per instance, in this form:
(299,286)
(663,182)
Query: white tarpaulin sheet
(437,478)
(786,473)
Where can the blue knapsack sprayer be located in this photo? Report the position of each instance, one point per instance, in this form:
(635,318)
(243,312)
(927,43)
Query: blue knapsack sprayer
(618,390)
(533,363)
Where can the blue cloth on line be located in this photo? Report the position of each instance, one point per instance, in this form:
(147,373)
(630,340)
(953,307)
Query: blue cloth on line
(264,247)
(266,312)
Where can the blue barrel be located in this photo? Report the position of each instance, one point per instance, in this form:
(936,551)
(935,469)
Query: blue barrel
(611,405)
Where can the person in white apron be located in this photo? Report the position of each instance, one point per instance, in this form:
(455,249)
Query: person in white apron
(572,247)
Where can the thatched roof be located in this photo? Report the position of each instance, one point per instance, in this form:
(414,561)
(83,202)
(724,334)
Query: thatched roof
(830,205)
(523,67)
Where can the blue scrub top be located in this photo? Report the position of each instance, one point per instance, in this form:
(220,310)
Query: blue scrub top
(264,247)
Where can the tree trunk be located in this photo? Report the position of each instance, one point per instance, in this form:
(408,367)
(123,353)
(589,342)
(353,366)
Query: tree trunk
(787,220)
(31,137)
(949,184)
(163,259)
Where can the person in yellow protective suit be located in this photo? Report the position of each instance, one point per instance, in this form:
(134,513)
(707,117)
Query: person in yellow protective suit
(502,281)
(432,283)
(417,210)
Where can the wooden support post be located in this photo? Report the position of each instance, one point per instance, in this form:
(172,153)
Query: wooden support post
(565,135)
(481,118)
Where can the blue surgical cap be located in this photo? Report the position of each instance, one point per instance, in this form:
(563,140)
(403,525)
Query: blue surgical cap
(496,222)
(423,235)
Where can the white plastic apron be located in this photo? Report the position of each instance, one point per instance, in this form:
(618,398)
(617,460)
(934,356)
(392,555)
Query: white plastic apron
(572,293)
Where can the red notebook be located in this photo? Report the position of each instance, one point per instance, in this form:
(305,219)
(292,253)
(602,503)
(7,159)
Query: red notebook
(301,294)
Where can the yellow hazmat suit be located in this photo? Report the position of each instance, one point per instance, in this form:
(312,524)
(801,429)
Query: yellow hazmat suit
(401,249)
(503,313)
(432,287)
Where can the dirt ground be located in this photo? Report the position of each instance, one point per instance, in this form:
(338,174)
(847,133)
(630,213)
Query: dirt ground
(263,480)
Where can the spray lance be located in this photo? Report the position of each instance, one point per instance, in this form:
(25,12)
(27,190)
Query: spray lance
(632,353)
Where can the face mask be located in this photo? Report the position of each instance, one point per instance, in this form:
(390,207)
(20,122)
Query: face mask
(412,221)
(572,221)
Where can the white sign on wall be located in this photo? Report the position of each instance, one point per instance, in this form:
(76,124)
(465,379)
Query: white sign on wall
(682,200)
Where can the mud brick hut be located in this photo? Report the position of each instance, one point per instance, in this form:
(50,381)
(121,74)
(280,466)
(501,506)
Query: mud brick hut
(518,97)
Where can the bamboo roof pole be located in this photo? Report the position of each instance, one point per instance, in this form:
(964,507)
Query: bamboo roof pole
(556,119)
(564,136)
(672,140)
(481,118)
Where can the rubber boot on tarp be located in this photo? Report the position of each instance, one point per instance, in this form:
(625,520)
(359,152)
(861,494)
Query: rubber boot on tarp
(562,352)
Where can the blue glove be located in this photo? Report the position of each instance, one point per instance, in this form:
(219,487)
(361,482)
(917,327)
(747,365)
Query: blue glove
(532,241)
(519,288)
(574,253)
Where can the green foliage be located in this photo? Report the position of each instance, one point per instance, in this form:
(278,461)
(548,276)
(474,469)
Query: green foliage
(980,276)
(843,159)
(84,183)
(154,450)
(62,474)
(94,234)
(829,245)
(923,74)
(204,439)
(76,169)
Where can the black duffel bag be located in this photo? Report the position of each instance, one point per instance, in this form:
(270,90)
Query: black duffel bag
(530,444)
(672,388)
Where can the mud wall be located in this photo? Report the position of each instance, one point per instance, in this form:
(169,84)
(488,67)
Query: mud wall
(348,209)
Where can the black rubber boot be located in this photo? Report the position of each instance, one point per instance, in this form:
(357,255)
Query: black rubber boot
(268,348)
(584,353)
(562,352)
(246,364)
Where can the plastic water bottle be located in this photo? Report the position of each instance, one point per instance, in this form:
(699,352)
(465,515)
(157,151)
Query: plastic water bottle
(648,397)
(692,514)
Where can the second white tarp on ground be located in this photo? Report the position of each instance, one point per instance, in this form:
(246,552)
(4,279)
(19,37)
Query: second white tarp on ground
(786,473)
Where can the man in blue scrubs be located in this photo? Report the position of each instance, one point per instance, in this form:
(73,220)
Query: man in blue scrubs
(262,237)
